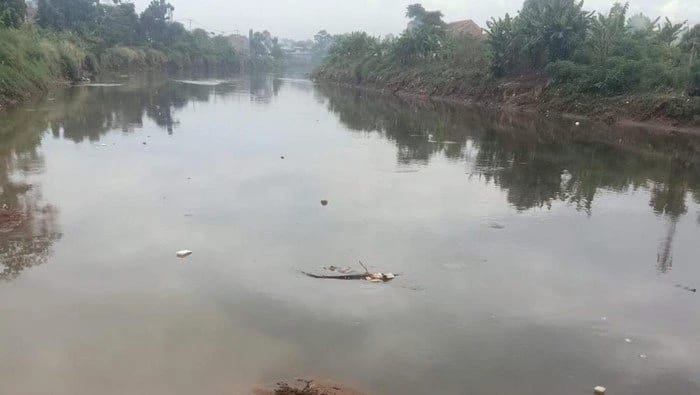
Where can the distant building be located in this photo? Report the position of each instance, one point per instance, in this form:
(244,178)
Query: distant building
(466,27)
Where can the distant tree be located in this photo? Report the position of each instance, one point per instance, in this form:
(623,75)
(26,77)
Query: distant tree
(352,46)
(276,50)
(552,29)
(424,37)
(264,49)
(12,13)
(422,19)
(502,39)
(690,45)
(607,33)
(670,31)
(154,21)
(321,44)
(260,44)
(118,24)
(79,15)
(322,41)
(690,42)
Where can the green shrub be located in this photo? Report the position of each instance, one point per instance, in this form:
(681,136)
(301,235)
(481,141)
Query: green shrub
(25,65)
(123,58)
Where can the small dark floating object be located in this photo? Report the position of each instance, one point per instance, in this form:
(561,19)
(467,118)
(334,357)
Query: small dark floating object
(183,253)
(693,290)
(496,225)
(324,202)
(144,143)
(282,157)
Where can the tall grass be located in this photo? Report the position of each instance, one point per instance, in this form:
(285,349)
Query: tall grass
(29,61)
(31,58)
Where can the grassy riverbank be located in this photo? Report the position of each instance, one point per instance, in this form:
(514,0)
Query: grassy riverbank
(553,56)
(65,45)
(29,61)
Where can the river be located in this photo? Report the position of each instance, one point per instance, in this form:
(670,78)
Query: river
(534,256)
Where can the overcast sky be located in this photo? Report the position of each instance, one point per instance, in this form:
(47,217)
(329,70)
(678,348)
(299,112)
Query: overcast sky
(300,19)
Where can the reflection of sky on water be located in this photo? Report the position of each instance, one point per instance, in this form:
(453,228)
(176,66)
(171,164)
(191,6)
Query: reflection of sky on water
(492,310)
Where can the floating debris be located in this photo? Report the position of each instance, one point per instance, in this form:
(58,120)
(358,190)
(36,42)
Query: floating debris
(282,157)
(496,225)
(628,340)
(371,277)
(577,123)
(643,356)
(324,202)
(599,390)
(144,143)
(183,253)
(693,290)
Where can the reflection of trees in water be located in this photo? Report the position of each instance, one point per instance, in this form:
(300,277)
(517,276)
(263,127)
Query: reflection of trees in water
(263,87)
(669,199)
(89,112)
(30,226)
(418,129)
(536,162)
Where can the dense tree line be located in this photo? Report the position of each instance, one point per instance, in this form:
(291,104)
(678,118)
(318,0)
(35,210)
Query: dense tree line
(117,36)
(593,52)
(583,53)
(12,13)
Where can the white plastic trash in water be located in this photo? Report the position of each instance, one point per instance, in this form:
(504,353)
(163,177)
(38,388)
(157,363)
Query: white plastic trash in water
(184,253)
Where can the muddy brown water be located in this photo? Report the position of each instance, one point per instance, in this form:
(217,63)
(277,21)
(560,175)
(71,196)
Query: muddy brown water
(535,256)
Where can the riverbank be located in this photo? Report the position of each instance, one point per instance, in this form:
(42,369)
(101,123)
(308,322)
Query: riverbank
(551,58)
(667,112)
(32,59)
